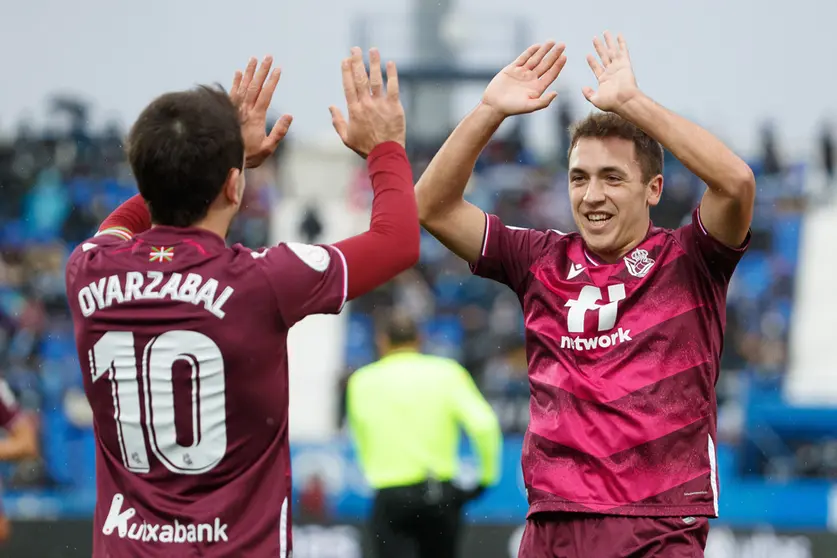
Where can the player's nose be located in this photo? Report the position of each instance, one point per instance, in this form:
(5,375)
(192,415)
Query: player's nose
(594,193)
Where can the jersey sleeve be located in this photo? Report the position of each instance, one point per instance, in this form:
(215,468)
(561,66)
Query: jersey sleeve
(103,238)
(715,258)
(508,252)
(9,409)
(306,279)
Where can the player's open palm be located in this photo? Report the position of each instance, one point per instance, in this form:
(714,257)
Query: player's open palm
(252,92)
(521,86)
(376,115)
(617,83)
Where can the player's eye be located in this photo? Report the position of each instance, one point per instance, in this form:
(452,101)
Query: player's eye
(614,178)
(578,180)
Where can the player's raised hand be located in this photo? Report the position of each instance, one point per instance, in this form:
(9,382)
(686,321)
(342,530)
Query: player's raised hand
(617,83)
(376,115)
(521,86)
(252,92)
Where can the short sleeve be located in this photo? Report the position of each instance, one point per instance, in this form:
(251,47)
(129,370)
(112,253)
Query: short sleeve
(508,252)
(716,258)
(83,251)
(9,409)
(306,279)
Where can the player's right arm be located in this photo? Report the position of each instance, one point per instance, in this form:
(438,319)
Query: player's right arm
(518,89)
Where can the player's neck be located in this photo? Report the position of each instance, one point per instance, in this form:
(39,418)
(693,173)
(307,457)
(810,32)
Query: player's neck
(214,224)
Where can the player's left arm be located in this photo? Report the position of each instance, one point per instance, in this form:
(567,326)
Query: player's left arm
(726,209)
(21,441)
(727,206)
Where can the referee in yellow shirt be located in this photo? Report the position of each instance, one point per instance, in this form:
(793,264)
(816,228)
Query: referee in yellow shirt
(405,412)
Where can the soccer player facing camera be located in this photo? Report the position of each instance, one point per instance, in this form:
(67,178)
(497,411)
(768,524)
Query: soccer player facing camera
(624,320)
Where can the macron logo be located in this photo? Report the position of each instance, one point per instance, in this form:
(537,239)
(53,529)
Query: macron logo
(118,520)
(575,270)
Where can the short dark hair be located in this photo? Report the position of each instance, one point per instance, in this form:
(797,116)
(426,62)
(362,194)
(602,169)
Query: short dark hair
(400,329)
(181,149)
(649,152)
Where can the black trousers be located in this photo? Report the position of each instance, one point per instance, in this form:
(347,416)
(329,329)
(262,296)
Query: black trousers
(417,521)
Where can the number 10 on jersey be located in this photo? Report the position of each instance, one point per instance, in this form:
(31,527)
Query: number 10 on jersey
(113,358)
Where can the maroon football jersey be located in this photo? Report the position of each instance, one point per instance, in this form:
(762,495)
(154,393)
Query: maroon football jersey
(182,344)
(623,361)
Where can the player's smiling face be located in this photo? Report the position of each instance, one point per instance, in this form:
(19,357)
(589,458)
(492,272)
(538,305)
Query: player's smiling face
(609,198)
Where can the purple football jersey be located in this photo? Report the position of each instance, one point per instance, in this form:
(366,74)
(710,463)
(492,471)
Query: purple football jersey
(623,361)
(182,344)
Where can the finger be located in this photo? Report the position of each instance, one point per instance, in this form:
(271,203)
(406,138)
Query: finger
(376,80)
(542,102)
(611,45)
(588,93)
(623,46)
(553,71)
(280,129)
(339,123)
(526,55)
(392,81)
(601,51)
(236,83)
(247,78)
(597,68)
(266,94)
(359,72)
(349,88)
(550,60)
(258,81)
(536,58)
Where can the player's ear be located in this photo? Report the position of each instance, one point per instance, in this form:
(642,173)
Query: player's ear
(233,190)
(654,190)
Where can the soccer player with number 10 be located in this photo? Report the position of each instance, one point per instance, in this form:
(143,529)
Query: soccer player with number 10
(624,320)
(182,340)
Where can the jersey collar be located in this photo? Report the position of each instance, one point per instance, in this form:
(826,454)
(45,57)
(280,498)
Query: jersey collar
(161,234)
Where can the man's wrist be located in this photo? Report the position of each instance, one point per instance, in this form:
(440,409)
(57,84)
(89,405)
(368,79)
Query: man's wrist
(633,102)
(489,115)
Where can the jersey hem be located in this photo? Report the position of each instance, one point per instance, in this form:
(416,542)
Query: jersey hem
(633,510)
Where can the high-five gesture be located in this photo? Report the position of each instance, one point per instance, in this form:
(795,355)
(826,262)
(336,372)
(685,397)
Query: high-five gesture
(519,87)
(375,113)
(252,92)
(617,84)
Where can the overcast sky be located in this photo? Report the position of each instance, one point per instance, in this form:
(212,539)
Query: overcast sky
(728,64)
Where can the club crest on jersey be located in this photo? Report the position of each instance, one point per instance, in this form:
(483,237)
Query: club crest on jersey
(638,263)
(161,254)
